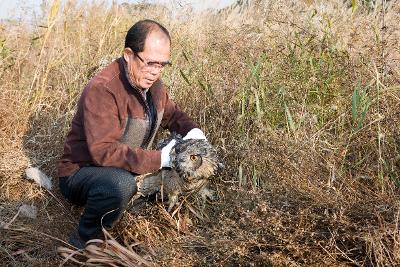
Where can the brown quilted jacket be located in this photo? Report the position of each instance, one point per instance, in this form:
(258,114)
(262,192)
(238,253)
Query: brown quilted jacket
(112,128)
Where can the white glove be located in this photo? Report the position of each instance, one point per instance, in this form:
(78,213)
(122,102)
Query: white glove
(165,157)
(195,133)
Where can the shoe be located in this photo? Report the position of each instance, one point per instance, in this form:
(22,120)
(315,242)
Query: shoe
(76,240)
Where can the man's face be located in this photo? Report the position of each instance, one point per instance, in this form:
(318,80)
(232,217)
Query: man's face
(145,67)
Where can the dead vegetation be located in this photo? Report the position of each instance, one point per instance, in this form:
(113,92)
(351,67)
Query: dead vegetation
(301,97)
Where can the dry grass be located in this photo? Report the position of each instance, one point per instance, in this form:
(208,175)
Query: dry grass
(309,179)
(106,252)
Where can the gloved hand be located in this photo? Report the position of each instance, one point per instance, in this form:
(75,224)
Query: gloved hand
(165,157)
(195,133)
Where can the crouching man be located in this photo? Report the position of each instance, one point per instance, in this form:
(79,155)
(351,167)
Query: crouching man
(118,115)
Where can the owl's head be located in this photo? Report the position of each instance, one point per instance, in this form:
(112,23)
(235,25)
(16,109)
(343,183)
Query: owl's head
(195,159)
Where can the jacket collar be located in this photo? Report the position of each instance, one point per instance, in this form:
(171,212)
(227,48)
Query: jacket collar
(128,77)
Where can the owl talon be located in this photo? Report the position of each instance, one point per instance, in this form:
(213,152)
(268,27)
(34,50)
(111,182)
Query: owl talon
(172,202)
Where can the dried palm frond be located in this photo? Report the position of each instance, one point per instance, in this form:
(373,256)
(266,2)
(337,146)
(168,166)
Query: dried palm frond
(106,252)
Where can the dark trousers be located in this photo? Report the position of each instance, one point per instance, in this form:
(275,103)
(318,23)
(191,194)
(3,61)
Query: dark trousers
(105,193)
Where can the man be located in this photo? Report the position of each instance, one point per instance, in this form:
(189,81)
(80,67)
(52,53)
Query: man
(117,118)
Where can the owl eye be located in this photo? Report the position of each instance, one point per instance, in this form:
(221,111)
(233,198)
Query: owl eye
(193,157)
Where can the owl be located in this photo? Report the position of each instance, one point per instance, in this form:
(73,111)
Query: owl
(193,163)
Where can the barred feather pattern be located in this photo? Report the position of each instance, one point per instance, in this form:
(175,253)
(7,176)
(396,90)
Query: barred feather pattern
(193,162)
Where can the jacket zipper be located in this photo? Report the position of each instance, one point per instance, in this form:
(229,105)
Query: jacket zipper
(152,127)
(149,129)
(139,95)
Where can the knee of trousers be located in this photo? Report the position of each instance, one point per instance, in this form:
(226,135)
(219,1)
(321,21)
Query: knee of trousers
(117,190)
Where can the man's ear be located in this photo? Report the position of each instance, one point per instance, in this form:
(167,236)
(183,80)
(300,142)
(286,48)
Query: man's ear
(127,53)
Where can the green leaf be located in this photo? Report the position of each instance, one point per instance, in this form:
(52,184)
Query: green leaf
(202,85)
(255,178)
(360,104)
(258,105)
(243,103)
(289,117)
(353,6)
(185,56)
(363,114)
(185,77)
(355,102)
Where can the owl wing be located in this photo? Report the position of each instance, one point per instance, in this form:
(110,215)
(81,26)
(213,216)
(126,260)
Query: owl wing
(149,184)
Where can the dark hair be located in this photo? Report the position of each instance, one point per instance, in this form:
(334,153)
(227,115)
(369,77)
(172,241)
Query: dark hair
(137,34)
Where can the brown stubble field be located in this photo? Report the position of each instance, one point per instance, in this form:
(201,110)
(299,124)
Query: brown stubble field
(301,98)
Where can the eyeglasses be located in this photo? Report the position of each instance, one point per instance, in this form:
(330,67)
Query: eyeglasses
(153,64)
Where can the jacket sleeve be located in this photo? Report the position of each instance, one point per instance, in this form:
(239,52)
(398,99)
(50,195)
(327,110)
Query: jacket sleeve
(102,130)
(175,120)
